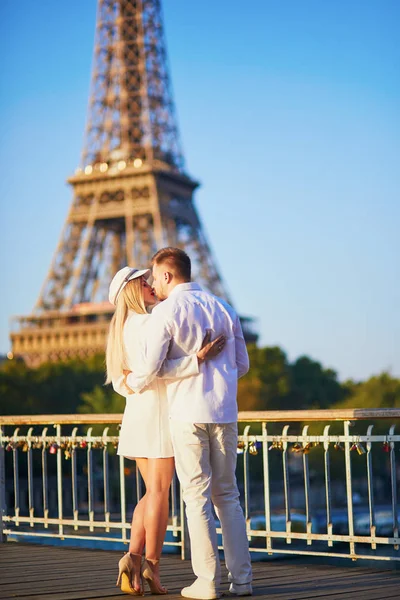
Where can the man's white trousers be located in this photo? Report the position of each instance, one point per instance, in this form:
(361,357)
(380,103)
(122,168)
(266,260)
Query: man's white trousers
(205,457)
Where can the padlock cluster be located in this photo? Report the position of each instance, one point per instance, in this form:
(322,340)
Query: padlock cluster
(252,446)
(276,445)
(52,445)
(299,448)
(359,447)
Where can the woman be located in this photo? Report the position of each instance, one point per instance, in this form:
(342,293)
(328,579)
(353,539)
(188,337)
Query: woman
(144,434)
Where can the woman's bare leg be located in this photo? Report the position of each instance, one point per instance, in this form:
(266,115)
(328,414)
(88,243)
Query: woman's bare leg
(138,534)
(159,476)
(150,517)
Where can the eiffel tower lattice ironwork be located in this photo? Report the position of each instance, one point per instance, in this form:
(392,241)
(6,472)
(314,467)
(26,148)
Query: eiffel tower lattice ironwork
(131,195)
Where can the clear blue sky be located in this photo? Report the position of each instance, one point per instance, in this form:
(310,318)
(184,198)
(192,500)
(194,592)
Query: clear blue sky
(289,115)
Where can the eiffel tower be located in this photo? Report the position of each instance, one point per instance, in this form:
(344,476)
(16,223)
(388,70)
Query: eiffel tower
(131,194)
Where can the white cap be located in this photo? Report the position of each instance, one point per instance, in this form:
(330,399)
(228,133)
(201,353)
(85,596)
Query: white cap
(120,280)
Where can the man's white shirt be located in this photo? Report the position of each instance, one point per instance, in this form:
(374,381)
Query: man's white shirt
(177,328)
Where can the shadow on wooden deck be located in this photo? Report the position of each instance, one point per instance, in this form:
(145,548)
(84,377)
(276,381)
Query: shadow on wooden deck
(53,573)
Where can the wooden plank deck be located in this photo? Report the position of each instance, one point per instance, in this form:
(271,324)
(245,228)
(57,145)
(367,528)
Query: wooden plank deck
(44,572)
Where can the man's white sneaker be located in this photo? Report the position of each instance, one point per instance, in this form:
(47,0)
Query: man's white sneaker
(245,589)
(200,591)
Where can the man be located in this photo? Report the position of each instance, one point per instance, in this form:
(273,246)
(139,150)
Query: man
(203,419)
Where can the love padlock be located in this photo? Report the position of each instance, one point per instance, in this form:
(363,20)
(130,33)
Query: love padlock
(53,449)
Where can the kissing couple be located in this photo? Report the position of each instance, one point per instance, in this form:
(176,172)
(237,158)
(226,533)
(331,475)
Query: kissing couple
(178,369)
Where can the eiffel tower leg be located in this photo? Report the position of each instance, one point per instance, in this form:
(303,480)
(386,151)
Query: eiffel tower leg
(99,253)
(144,239)
(88,274)
(171,233)
(40,303)
(118,253)
(159,236)
(83,254)
(129,239)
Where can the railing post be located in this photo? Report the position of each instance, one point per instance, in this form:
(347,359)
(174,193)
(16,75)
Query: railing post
(30,475)
(89,463)
(16,477)
(349,489)
(122,496)
(246,482)
(307,491)
(371,503)
(328,499)
(45,489)
(74,479)
(174,511)
(394,487)
(106,481)
(2,487)
(267,497)
(286,484)
(59,481)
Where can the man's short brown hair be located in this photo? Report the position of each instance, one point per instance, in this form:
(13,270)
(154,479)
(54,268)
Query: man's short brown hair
(177,259)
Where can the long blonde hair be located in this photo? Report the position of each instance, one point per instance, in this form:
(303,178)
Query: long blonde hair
(130,298)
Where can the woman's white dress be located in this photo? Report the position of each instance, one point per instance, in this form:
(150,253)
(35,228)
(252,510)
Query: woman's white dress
(145,425)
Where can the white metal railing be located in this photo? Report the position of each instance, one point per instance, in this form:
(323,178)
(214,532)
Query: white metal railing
(60,478)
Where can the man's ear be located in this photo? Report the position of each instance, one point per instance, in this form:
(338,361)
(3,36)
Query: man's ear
(168,277)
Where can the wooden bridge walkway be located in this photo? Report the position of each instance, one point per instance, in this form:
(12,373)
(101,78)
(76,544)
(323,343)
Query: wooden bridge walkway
(34,572)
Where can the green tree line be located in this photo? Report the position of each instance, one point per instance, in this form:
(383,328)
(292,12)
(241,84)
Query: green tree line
(273,383)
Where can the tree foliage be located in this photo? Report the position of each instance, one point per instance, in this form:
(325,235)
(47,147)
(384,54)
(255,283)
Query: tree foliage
(273,383)
(52,388)
(102,400)
(380,391)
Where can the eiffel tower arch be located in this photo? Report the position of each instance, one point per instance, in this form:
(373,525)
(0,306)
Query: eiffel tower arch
(131,194)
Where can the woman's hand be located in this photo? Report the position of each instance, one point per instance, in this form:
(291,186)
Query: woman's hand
(211,349)
(126,373)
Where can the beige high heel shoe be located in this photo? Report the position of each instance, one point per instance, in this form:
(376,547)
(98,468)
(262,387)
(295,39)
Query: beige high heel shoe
(128,566)
(148,575)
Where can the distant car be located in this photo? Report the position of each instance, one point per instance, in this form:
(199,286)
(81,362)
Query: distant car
(383,520)
(278,523)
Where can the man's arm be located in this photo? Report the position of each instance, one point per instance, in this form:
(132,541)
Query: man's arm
(186,366)
(242,357)
(179,368)
(172,368)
